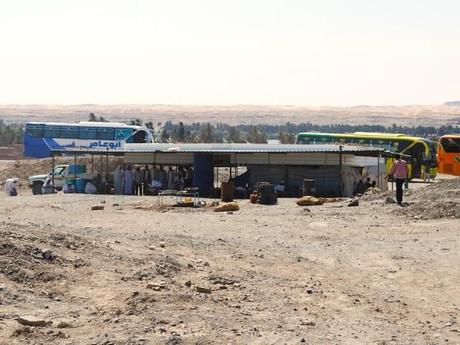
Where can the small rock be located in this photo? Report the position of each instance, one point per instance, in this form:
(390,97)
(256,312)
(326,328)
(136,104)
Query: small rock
(115,205)
(206,264)
(308,323)
(302,340)
(32,321)
(156,286)
(354,202)
(309,291)
(151,247)
(188,283)
(162,244)
(201,289)
(390,200)
(64,324)
(48,255)
(2,287)
(97,208)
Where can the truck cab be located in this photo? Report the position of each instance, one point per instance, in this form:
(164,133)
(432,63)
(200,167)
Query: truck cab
(60,173)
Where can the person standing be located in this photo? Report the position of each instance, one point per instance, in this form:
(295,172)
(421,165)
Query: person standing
(426,172)
(162,177)
(118,181)
(137,181)
(128,181)
(189,178)
(146,179)
(11,188)
(399,172)
(170,178)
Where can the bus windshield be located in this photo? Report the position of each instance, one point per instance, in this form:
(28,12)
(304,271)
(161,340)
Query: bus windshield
(450,145)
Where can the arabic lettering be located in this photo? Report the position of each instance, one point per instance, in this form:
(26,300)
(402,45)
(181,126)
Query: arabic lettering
(108,144)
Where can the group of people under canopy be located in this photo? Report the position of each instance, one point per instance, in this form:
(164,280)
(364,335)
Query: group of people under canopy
(146,180)
(363,186)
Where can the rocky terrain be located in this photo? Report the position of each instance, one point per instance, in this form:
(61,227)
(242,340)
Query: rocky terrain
(142,272)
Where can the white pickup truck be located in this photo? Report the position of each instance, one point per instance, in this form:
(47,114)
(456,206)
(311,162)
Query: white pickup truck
(61,173)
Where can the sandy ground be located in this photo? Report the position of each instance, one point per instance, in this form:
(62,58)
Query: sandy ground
(137,273)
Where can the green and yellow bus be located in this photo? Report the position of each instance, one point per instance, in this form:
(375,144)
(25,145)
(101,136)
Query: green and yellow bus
(422,151)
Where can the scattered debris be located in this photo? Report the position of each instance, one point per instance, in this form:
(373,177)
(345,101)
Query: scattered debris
(330,200)
(44,255)
(48,255)
(97,208)
(308,200)
(373,190)
(64,324)
(33,321)
(201,289)
(222,280)
(354,202)
(390,200)
(156,286)
(225,207)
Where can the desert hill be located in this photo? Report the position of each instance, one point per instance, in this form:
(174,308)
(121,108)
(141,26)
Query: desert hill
(237,114)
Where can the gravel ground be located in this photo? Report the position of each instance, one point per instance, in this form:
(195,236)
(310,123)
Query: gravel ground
(138,273)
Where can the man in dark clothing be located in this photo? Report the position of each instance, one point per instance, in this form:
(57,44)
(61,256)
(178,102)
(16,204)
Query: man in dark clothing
(146,178)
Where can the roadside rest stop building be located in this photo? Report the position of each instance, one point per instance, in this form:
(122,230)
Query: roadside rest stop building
(335,169)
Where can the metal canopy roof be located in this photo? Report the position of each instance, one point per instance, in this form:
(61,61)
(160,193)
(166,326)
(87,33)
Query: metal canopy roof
(228,148)
(248,148)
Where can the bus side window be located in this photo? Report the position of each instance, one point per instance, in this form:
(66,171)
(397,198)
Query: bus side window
(35,131)
(52,132)
(70,132)
(88,133)
(105,134)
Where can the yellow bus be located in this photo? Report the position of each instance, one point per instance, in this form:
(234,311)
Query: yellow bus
(422,151)
(449,154)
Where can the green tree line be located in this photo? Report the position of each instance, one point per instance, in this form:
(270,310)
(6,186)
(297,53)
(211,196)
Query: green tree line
(205,132)
(10,133)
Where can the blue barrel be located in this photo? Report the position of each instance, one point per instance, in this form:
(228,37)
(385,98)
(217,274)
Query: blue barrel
(203,174)
(80,184)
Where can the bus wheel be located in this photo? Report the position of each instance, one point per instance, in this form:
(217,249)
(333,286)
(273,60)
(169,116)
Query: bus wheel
(37,188)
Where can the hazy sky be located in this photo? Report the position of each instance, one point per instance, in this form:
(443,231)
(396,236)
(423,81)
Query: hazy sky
(299,52)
